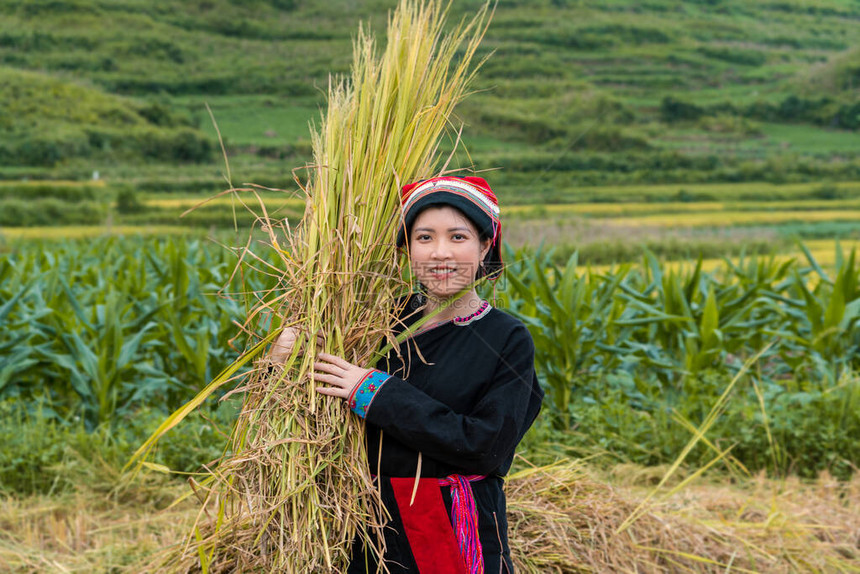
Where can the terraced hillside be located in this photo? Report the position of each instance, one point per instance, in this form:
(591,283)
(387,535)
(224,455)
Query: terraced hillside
(576,92)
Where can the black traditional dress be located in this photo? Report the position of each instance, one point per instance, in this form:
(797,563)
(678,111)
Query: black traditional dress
(462,393)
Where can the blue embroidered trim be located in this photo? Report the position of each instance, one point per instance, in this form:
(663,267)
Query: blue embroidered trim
(365,390)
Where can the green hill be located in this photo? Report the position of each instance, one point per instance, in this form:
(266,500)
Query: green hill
(577,92)
(838,75)
(45,120)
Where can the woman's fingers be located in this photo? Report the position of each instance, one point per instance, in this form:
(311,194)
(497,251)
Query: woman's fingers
(340,389)
(283,346)
(338,374)
(333,392)
(335,360)
(332,379)
(329,368)
(333,370)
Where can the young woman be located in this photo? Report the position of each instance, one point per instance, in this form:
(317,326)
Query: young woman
(453,401)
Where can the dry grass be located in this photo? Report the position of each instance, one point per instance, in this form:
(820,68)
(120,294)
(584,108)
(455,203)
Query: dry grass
(90,530)
(563,519)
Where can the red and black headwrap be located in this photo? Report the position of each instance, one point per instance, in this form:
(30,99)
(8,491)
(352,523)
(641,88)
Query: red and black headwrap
(470,195)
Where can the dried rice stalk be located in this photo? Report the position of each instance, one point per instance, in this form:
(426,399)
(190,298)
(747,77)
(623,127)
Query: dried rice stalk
(564,520)
(297,489)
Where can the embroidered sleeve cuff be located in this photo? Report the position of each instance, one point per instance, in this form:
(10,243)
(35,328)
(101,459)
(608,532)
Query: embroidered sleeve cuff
(363,393)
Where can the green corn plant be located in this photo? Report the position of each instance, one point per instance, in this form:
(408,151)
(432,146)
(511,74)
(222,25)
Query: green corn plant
(820,321)
(705,344)
(99,360)
(567,317)
(18,347)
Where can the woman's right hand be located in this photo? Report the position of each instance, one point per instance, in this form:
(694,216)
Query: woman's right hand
(282,348)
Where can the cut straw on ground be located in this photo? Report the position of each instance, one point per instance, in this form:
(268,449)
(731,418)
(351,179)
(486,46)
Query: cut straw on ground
(562,517)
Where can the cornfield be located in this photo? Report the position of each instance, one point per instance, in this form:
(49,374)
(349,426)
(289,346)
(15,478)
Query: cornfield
(621,352)
(680,323)
(86,324)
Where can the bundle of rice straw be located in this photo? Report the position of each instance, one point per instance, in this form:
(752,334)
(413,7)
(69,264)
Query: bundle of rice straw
(296,488)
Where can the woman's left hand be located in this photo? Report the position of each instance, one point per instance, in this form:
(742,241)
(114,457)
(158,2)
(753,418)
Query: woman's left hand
(339,373)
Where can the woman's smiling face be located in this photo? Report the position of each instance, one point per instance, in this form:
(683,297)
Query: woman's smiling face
(445,250)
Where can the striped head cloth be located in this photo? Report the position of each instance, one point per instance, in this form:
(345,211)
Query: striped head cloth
(470,195)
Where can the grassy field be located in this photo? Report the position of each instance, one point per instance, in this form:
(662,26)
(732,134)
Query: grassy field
(603,232)
(730,218)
